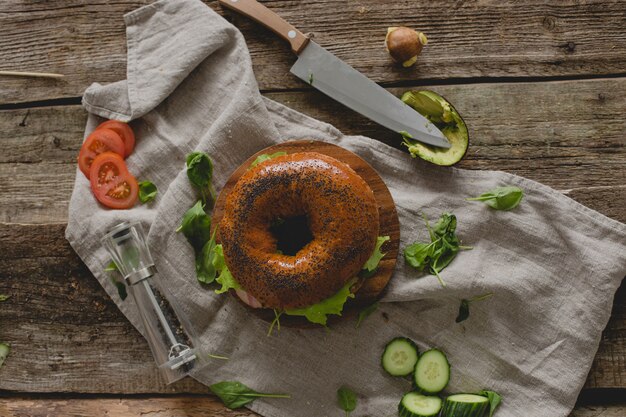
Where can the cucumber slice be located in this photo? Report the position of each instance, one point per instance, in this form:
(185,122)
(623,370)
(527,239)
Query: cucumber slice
(465,405)
(4,352)
(432,372)
(399,357)
(418,405)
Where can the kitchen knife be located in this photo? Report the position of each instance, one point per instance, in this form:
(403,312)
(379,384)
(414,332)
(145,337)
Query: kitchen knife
(335,78)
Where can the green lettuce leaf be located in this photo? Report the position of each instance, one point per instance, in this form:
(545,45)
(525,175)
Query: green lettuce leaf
(317,313)
(264,157)
(374,260)
(225,278)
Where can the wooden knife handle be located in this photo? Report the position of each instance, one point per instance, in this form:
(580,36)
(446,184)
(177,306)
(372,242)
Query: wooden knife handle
(256,11)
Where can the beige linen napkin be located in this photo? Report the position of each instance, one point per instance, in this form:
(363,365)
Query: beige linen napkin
(552,264)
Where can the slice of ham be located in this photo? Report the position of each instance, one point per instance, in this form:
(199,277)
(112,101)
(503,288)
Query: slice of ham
(248,299)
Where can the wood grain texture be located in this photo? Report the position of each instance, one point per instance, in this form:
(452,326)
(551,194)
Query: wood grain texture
(68,336)
(466,39)
(571,137)
(177,406)
(370,289)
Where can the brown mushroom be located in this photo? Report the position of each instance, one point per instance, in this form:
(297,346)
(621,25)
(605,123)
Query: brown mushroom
(404,44)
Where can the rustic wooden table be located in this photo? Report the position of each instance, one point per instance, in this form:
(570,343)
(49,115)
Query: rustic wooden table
(542,87)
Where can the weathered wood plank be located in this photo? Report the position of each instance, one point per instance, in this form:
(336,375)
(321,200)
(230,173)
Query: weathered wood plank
(68,336)
(571,137)
(177,406)
(85,40)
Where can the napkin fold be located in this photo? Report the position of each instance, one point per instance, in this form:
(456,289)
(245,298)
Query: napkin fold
(552,264)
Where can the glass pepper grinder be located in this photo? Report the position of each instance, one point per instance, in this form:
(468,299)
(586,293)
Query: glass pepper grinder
(167,331)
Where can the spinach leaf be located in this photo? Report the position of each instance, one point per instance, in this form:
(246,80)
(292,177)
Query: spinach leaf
(4,297)
(147,191)
(372,263)
(235,394)
(199,169)
(365,313)
(501,198)
(121,287)
(418,254)
(205,262)
(464,310)
(494,400)
(196,226)
(266,156)
(200,174)
(437,254)
(346,399)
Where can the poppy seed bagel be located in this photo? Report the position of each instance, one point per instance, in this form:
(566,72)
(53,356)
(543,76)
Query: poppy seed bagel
(342,216)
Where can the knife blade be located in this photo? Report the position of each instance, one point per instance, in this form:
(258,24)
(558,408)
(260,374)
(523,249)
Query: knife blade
(338,80)
(335,78)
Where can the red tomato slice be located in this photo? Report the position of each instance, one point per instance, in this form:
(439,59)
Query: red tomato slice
(99,141)
(125,132)
(111,182)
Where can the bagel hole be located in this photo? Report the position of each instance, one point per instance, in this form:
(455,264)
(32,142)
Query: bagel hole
(291,234)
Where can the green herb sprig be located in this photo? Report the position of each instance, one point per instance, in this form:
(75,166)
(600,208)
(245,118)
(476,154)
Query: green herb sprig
(275,322)
(442,249)
(501,198)
(235,394)
(347,399)
(4,297)
(464,310)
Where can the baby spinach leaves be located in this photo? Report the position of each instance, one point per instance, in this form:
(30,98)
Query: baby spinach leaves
(442,249)
(205,262)
(200,174)
(196,226)
(147,191)
(464,310)
(501,198)
(236,395)
(346,399)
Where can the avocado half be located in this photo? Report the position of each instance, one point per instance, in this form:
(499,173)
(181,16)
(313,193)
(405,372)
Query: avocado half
(443,115)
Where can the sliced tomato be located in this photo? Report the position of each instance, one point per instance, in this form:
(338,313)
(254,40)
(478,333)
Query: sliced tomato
(111,182)
(99,141)
(125,132)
